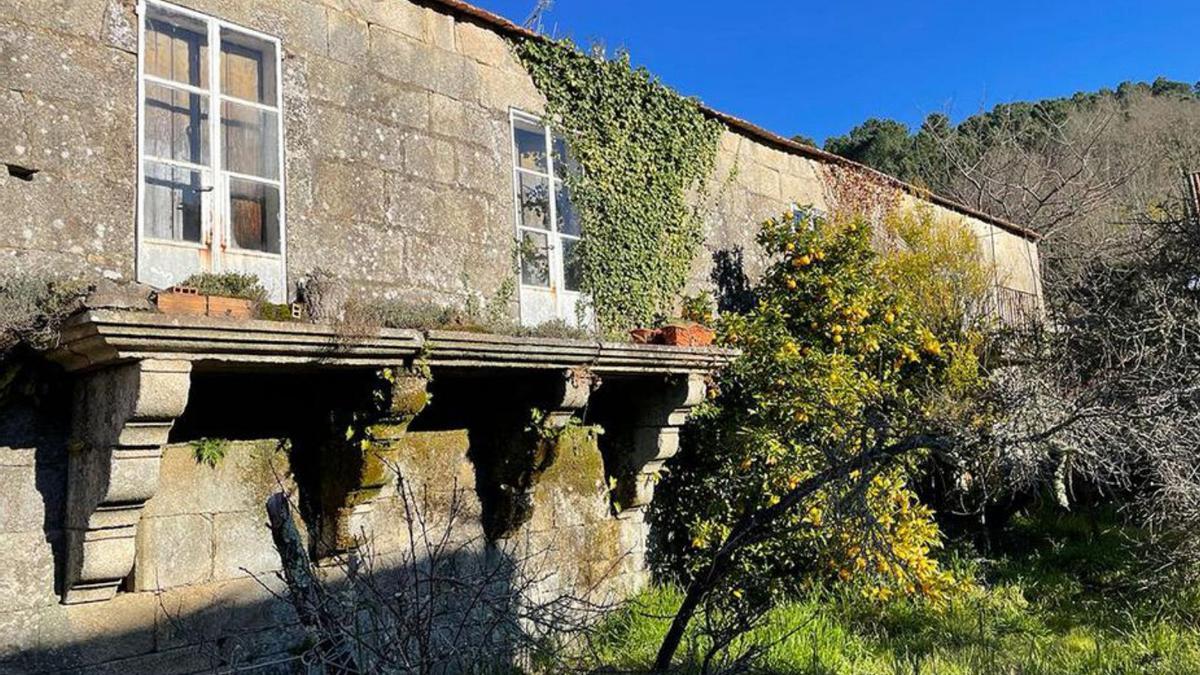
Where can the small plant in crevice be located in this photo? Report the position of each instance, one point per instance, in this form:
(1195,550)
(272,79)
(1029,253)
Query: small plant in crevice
(210,451)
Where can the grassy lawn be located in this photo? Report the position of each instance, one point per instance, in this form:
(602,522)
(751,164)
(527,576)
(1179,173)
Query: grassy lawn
(1058,601)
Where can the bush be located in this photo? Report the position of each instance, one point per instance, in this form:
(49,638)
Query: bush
(33,306)
(229,284)
(837,354)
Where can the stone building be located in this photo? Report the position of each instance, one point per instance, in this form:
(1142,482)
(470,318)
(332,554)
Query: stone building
(386,141)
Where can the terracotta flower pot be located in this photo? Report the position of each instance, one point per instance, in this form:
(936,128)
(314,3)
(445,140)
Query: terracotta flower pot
(644,336)
(691,335)
(182,300)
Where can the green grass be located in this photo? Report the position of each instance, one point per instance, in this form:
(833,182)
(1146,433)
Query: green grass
(1060,601)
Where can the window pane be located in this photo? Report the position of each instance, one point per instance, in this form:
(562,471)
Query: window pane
(535,259)
(531,146)
(568,220)
(533,193)
(254,215)
(249,140)
(572,269)
(176,124)
(248,67)
(564,164)
(173,203)
(176,47)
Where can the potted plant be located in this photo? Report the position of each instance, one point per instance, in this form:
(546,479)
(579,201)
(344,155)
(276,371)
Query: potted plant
(231,295)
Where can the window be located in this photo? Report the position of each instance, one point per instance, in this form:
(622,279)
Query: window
(210,166)
(548,231)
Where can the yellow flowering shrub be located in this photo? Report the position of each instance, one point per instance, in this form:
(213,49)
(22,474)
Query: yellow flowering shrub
(838,355)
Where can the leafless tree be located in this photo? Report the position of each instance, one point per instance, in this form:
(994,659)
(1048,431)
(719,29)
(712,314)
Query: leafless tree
(447,602)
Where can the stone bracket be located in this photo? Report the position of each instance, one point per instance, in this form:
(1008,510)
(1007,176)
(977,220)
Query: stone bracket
(653,439)
(519,456)
(121,420)
(358,459)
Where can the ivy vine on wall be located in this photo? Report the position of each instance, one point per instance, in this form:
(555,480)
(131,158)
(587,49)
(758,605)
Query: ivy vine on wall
(642,149)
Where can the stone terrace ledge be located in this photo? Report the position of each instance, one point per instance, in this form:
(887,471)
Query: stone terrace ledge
(100,338)
(135,371)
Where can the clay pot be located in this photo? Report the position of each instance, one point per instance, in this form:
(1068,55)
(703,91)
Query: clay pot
(643,336)
(690,335)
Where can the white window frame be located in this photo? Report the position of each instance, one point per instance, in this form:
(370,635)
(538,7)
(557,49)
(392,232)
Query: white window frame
(215,221)
(553,236)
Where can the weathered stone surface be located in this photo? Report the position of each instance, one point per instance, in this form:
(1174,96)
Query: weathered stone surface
(27,577)
(348,37)
(82,635)
(173,551)
(483,45)
(242,545)
(21,505)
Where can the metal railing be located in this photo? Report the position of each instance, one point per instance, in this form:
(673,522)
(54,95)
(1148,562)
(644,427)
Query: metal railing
(1014,308)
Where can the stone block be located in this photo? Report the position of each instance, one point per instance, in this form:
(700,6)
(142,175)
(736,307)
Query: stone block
(22,508)
(428,158)
(501,90)
(404,17)
(75,636)
(759,179)
(218,611)
(18,635)
(354,137)
(343,191)
(63,67)
(173,551)
(393,54)
(242,545)
(348,37)
(28,579)
(482,170)
(82,18)
(439,29)
(484,46)
(241,481)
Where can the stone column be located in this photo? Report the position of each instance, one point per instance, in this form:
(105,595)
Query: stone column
(121,420)
(358,460)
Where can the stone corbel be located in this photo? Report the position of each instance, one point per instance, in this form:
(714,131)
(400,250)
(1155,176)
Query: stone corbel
(518,456)
(121,420)
(358,460)
(654,438)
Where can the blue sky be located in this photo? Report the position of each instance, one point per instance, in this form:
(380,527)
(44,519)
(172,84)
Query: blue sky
(819,68)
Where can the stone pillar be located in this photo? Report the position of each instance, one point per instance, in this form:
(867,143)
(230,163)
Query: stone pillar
(121,420)
(359,459)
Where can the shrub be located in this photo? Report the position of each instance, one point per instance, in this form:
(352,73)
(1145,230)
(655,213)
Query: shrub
(837,355)
(33,306)
(229,284)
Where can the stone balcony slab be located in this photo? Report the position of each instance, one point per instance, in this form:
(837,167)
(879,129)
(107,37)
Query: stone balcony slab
(100,338)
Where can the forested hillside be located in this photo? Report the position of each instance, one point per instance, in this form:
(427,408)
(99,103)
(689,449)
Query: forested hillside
(1062,166)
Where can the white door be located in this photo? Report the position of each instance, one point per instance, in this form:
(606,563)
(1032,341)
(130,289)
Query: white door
(548,230)
(211,157)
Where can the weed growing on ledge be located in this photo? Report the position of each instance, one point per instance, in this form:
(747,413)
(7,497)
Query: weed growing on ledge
(210,451)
